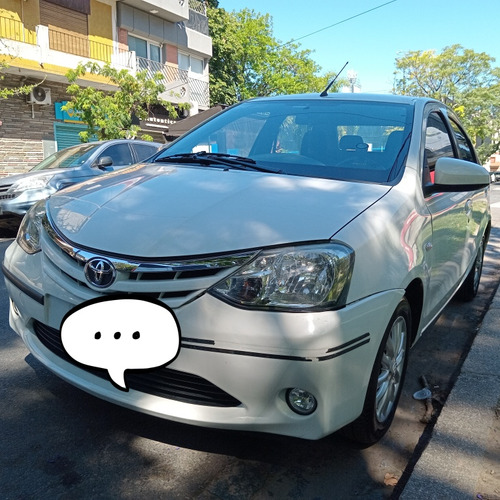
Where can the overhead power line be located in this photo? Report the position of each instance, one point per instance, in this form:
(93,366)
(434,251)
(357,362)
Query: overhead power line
(339,22)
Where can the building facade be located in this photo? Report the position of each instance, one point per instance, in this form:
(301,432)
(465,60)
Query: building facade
(40,40)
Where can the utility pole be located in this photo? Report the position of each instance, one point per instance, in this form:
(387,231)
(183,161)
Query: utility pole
(352,76)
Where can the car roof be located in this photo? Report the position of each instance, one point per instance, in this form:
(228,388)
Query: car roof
(114,141)
(388,98)
(99,144)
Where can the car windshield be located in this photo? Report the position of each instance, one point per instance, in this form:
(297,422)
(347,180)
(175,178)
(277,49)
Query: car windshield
(334,139)
(68,157)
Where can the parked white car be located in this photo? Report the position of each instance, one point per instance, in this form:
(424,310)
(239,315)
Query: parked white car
(302,243)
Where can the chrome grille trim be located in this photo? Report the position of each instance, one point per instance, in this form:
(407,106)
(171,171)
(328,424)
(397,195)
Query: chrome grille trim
(137,265)
(176,281)
(5,187)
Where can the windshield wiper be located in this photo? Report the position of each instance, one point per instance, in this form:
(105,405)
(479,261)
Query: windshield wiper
(228,160)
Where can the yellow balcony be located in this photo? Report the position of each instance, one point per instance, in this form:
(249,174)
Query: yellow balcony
(12,29)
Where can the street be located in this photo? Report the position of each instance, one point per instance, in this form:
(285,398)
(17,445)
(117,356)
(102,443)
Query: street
(59,442)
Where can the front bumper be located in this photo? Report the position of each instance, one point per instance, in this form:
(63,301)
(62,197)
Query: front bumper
(19,203)
(252,356)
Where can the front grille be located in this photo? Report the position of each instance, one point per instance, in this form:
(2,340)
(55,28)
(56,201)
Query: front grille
(7,196)
(5,187)
(162,382)
(175,281)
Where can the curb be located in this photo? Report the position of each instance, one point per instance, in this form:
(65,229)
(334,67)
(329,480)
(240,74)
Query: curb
(464,443)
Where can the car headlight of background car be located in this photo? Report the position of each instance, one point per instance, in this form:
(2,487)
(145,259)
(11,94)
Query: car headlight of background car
(292,278)
(32,182)
(28,236)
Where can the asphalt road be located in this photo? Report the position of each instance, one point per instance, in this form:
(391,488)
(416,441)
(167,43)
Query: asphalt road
(59,442)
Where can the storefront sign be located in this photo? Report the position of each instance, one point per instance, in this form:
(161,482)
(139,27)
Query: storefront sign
(66,116)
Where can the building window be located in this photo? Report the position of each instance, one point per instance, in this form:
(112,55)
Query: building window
(191,64)
(197,65)
(144,49)
(154,52)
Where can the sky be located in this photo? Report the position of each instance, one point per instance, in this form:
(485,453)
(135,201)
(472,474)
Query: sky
(371,34)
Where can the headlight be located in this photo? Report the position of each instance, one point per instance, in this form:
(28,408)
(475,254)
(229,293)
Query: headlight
(294,278)
(32,182)
(28,236)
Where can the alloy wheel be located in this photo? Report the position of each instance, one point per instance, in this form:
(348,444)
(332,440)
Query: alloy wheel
(392,369)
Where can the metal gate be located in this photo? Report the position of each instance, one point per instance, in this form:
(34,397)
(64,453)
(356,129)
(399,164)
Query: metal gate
(66,134)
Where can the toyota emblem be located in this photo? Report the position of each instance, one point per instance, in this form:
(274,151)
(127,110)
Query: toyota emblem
(100,272)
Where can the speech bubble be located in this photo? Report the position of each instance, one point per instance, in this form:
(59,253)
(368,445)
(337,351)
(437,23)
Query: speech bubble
(120,334)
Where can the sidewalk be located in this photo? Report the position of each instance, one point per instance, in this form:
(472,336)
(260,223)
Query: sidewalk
(462,459)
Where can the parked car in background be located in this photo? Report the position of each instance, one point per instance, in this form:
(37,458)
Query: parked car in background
(69,166)
(303,244)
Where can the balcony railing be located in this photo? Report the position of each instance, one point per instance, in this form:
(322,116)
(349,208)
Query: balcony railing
(199,89)
(198,6)
(81,45)
(69,43)
(175,80)
(12,29)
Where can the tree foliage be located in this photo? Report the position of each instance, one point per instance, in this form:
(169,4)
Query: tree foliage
(6,92)
(464,80)
(109,115)
(248,61)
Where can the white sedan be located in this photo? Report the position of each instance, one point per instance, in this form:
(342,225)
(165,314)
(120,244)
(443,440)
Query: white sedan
(302,244)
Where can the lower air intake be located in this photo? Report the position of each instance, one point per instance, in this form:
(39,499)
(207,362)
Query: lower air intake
(162,382)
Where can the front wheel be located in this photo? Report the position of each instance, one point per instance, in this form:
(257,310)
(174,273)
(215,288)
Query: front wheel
(470,286)
(386,381)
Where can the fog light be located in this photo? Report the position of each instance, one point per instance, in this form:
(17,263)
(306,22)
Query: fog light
(300,401)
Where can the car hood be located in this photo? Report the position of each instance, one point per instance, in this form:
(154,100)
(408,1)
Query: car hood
(164,211)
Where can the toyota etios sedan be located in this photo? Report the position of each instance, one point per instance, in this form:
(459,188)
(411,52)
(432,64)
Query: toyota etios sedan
(302,244)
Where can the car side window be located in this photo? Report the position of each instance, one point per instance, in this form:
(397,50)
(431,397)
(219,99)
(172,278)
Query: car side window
(437,145)
(120,154)
(465,149)
(143,151)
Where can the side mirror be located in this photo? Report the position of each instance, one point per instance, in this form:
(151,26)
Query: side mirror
(104,162)
(452,174)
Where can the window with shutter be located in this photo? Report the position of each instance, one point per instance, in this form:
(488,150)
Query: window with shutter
(68,28)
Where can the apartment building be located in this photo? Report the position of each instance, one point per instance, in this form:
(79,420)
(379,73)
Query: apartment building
(40,40)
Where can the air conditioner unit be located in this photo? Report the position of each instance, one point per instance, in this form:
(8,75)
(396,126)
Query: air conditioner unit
(39,95)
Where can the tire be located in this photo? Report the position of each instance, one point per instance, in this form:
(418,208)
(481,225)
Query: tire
(470,286)
(386,380)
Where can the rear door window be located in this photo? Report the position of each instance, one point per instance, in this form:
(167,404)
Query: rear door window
(143,151)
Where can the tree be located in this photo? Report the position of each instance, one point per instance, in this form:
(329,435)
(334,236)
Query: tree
(109,115)
(248,61)
(464,80)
